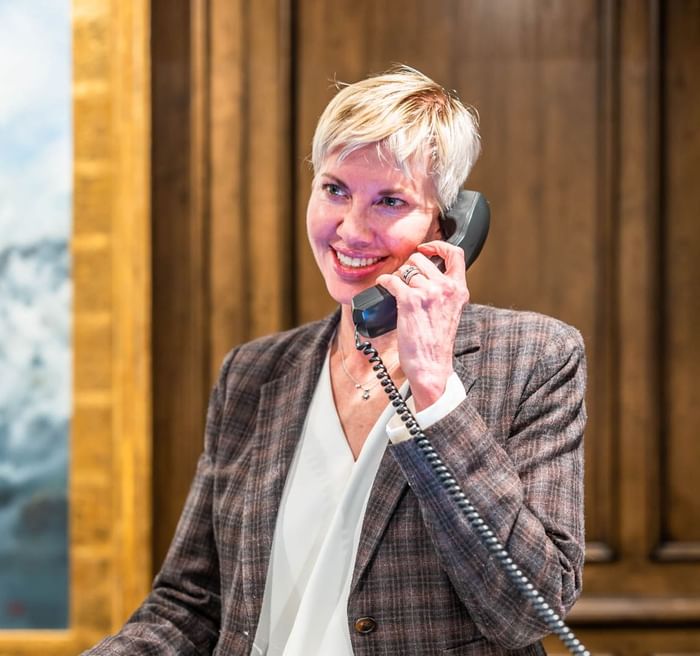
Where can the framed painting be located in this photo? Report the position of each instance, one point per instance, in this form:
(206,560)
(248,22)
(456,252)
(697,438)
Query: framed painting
(88,524)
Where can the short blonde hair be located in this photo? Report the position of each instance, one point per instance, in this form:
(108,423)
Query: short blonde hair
(408,116)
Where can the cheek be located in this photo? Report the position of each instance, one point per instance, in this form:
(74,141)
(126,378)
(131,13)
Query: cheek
(404,240)
(313,223)
(319,220)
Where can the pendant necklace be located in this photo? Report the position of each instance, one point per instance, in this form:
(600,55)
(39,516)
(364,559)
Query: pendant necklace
(358,385)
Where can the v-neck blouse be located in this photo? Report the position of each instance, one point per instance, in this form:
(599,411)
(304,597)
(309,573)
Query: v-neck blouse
(318,528)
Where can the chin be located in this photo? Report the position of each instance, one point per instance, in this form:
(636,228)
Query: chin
(343,294)
(343,298)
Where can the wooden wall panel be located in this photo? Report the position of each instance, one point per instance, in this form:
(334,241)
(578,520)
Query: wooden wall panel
(543,149)
(635,641)
(538,80)
(573,116)
(180,286)
(680,241)
(637,417)
(222,212)
(591,147)
(227,261)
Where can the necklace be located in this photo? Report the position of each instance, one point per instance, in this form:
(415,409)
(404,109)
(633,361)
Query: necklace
(358,385)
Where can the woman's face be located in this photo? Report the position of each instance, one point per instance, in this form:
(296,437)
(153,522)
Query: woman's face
(365,217)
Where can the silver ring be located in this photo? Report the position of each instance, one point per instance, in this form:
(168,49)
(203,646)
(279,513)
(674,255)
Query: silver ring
(409,273)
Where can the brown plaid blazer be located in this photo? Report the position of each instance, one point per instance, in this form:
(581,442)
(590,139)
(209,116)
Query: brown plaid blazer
(515,445)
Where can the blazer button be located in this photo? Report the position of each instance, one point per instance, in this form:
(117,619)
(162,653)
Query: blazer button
(365,624)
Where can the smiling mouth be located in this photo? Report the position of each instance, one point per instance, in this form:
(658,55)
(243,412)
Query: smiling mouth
(356,262)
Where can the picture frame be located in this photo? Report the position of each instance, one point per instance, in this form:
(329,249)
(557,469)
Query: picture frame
(110,440)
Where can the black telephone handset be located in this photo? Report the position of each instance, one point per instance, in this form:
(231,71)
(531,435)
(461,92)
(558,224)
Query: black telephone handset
(374,313)
(465,225)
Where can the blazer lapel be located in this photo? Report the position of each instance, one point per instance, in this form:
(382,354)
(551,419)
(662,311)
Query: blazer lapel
(280,420)
(282,409)
(467,347)
(390,484)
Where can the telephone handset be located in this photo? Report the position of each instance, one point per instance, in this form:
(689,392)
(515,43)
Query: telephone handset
(466,225)
(374,313)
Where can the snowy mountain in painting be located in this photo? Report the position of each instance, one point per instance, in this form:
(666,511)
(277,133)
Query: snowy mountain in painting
(35,291)
(34,407)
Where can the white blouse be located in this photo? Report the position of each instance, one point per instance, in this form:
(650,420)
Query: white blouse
(304,610)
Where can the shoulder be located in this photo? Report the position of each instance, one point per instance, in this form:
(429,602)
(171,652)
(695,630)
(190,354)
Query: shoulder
(517,330)
(271,356)
(508,355)
(510,345)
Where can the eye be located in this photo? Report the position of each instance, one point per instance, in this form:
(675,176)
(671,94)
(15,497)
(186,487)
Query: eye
(392,202)
(333,189)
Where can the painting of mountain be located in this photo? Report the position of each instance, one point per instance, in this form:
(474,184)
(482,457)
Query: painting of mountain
(35,305)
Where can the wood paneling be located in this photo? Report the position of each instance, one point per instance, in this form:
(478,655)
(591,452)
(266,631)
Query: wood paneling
(680,317)
(637,641)
(222,212)
(544,85)
(228,260)
(634,641)
(180,292)
(591,148)
(576,100)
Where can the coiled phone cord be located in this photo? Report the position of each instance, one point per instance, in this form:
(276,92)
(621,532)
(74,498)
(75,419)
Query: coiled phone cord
(544,611)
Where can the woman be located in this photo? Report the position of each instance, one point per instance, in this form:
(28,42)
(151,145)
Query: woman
(314,526)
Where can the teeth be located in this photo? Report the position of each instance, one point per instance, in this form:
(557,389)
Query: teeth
(357,261)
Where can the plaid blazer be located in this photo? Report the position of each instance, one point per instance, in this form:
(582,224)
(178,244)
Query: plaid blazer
(423,583)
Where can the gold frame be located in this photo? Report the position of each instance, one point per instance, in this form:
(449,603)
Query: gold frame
(110,475)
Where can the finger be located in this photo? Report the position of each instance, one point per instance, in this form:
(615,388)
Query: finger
(453,280)
(415,278)
(424,265)
(393,284)
(410,276)
(451,254)
(407,271)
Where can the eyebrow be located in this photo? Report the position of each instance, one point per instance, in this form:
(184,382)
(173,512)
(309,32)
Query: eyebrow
(381,192)
(335,179)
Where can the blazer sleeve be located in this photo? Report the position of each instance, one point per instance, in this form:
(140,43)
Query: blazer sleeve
(181,615)
(528,487)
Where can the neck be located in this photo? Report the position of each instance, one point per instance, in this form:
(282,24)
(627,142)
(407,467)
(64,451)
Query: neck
(386,344)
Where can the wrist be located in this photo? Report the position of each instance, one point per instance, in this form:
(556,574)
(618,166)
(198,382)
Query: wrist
(427,390)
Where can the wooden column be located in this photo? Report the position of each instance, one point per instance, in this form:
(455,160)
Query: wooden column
(222,212)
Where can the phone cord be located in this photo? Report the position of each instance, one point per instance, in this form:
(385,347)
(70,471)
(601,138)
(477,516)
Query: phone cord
(482,529)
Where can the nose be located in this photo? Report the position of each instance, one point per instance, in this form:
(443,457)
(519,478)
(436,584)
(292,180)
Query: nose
(354,228)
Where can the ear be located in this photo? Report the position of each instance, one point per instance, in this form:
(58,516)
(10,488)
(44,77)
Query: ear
(435,231)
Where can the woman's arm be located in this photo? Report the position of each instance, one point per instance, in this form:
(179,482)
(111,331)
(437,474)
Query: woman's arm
(528,488)
(181,615)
